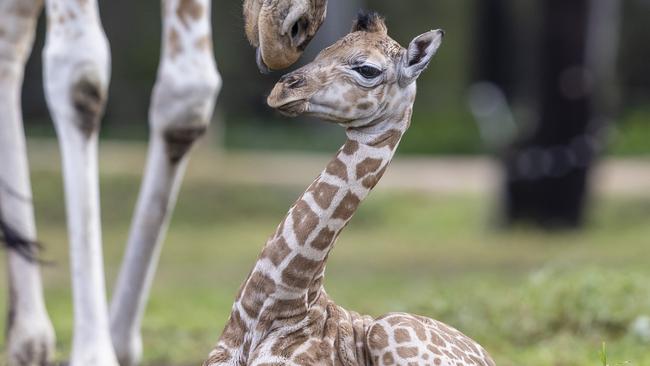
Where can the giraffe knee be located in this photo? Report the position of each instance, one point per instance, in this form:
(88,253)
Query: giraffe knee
(88,99)
(179,140)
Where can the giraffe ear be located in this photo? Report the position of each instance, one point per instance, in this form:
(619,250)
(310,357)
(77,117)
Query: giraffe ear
(418,55)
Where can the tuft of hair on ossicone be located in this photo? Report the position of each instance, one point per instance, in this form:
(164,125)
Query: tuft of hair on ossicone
(369,21)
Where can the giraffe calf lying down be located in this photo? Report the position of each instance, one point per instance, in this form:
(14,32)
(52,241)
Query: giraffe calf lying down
(283,316)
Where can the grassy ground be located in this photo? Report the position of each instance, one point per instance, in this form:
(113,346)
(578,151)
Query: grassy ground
(530,297)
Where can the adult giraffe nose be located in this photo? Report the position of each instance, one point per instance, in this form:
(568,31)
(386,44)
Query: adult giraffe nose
(260,63)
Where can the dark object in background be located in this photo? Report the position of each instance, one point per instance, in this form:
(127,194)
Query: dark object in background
(547,168)
(495,57)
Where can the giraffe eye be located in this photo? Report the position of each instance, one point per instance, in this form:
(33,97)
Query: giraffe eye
(368,72)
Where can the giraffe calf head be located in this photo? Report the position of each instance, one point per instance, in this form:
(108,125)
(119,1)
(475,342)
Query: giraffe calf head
(363,78)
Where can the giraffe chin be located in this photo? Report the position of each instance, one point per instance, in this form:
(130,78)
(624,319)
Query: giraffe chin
(294,109)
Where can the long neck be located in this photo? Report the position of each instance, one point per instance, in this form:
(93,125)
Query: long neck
(295,257)
(286,279)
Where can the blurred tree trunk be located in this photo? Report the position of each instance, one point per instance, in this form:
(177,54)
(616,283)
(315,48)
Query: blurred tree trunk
(495,59)
(547,170)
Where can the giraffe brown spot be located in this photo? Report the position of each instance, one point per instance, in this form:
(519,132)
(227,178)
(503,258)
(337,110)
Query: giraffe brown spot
(233,334)
(364,106)
(276,251)
(394,320)
(246,347)
(437,361)
(371,181)
(189,9)
(462,344)
(258,288)
(88,100)
(377,337)
(388,358)
(179,140)
(287,346)
(174,42)
(457,352)
(291,308)
(347,207)
(435,339)
(367,166)
(284,311)
(350,147)
(218,356)
(204,43)
(448,354)
(407,352)
(337,169)
(299,272)
(402,336)
(353,95)
(420,330)
(389,138)
(324,238)
(323,193)
(304,221)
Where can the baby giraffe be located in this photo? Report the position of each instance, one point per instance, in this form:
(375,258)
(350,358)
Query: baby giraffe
(283,316)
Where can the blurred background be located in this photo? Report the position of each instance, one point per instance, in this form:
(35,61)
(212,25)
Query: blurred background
(516,210)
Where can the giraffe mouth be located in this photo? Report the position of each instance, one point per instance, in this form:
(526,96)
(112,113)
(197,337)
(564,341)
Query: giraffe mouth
(294,108)
(260,62)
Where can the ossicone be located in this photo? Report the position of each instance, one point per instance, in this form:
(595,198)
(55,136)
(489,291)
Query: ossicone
(369,21)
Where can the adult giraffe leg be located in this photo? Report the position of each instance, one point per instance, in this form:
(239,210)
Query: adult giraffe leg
(30,335)
(76,70)
(182,104)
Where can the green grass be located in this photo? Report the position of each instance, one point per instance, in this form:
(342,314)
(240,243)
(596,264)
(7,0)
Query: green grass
(530,297)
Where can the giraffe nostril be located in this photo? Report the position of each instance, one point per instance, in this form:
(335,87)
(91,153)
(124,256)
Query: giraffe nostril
(296,83)
(293,81)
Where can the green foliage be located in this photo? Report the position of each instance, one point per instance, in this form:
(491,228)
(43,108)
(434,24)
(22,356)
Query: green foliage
(631,135)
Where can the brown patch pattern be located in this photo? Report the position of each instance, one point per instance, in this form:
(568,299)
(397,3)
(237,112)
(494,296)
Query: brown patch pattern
(347,207)
(189,10)
(367,166)
(297,272)
(337,169)
(304,221)
(323,194)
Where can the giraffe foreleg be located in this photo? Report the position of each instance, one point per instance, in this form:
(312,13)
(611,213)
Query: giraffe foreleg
(181,109)
(76,72)
(30,335)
